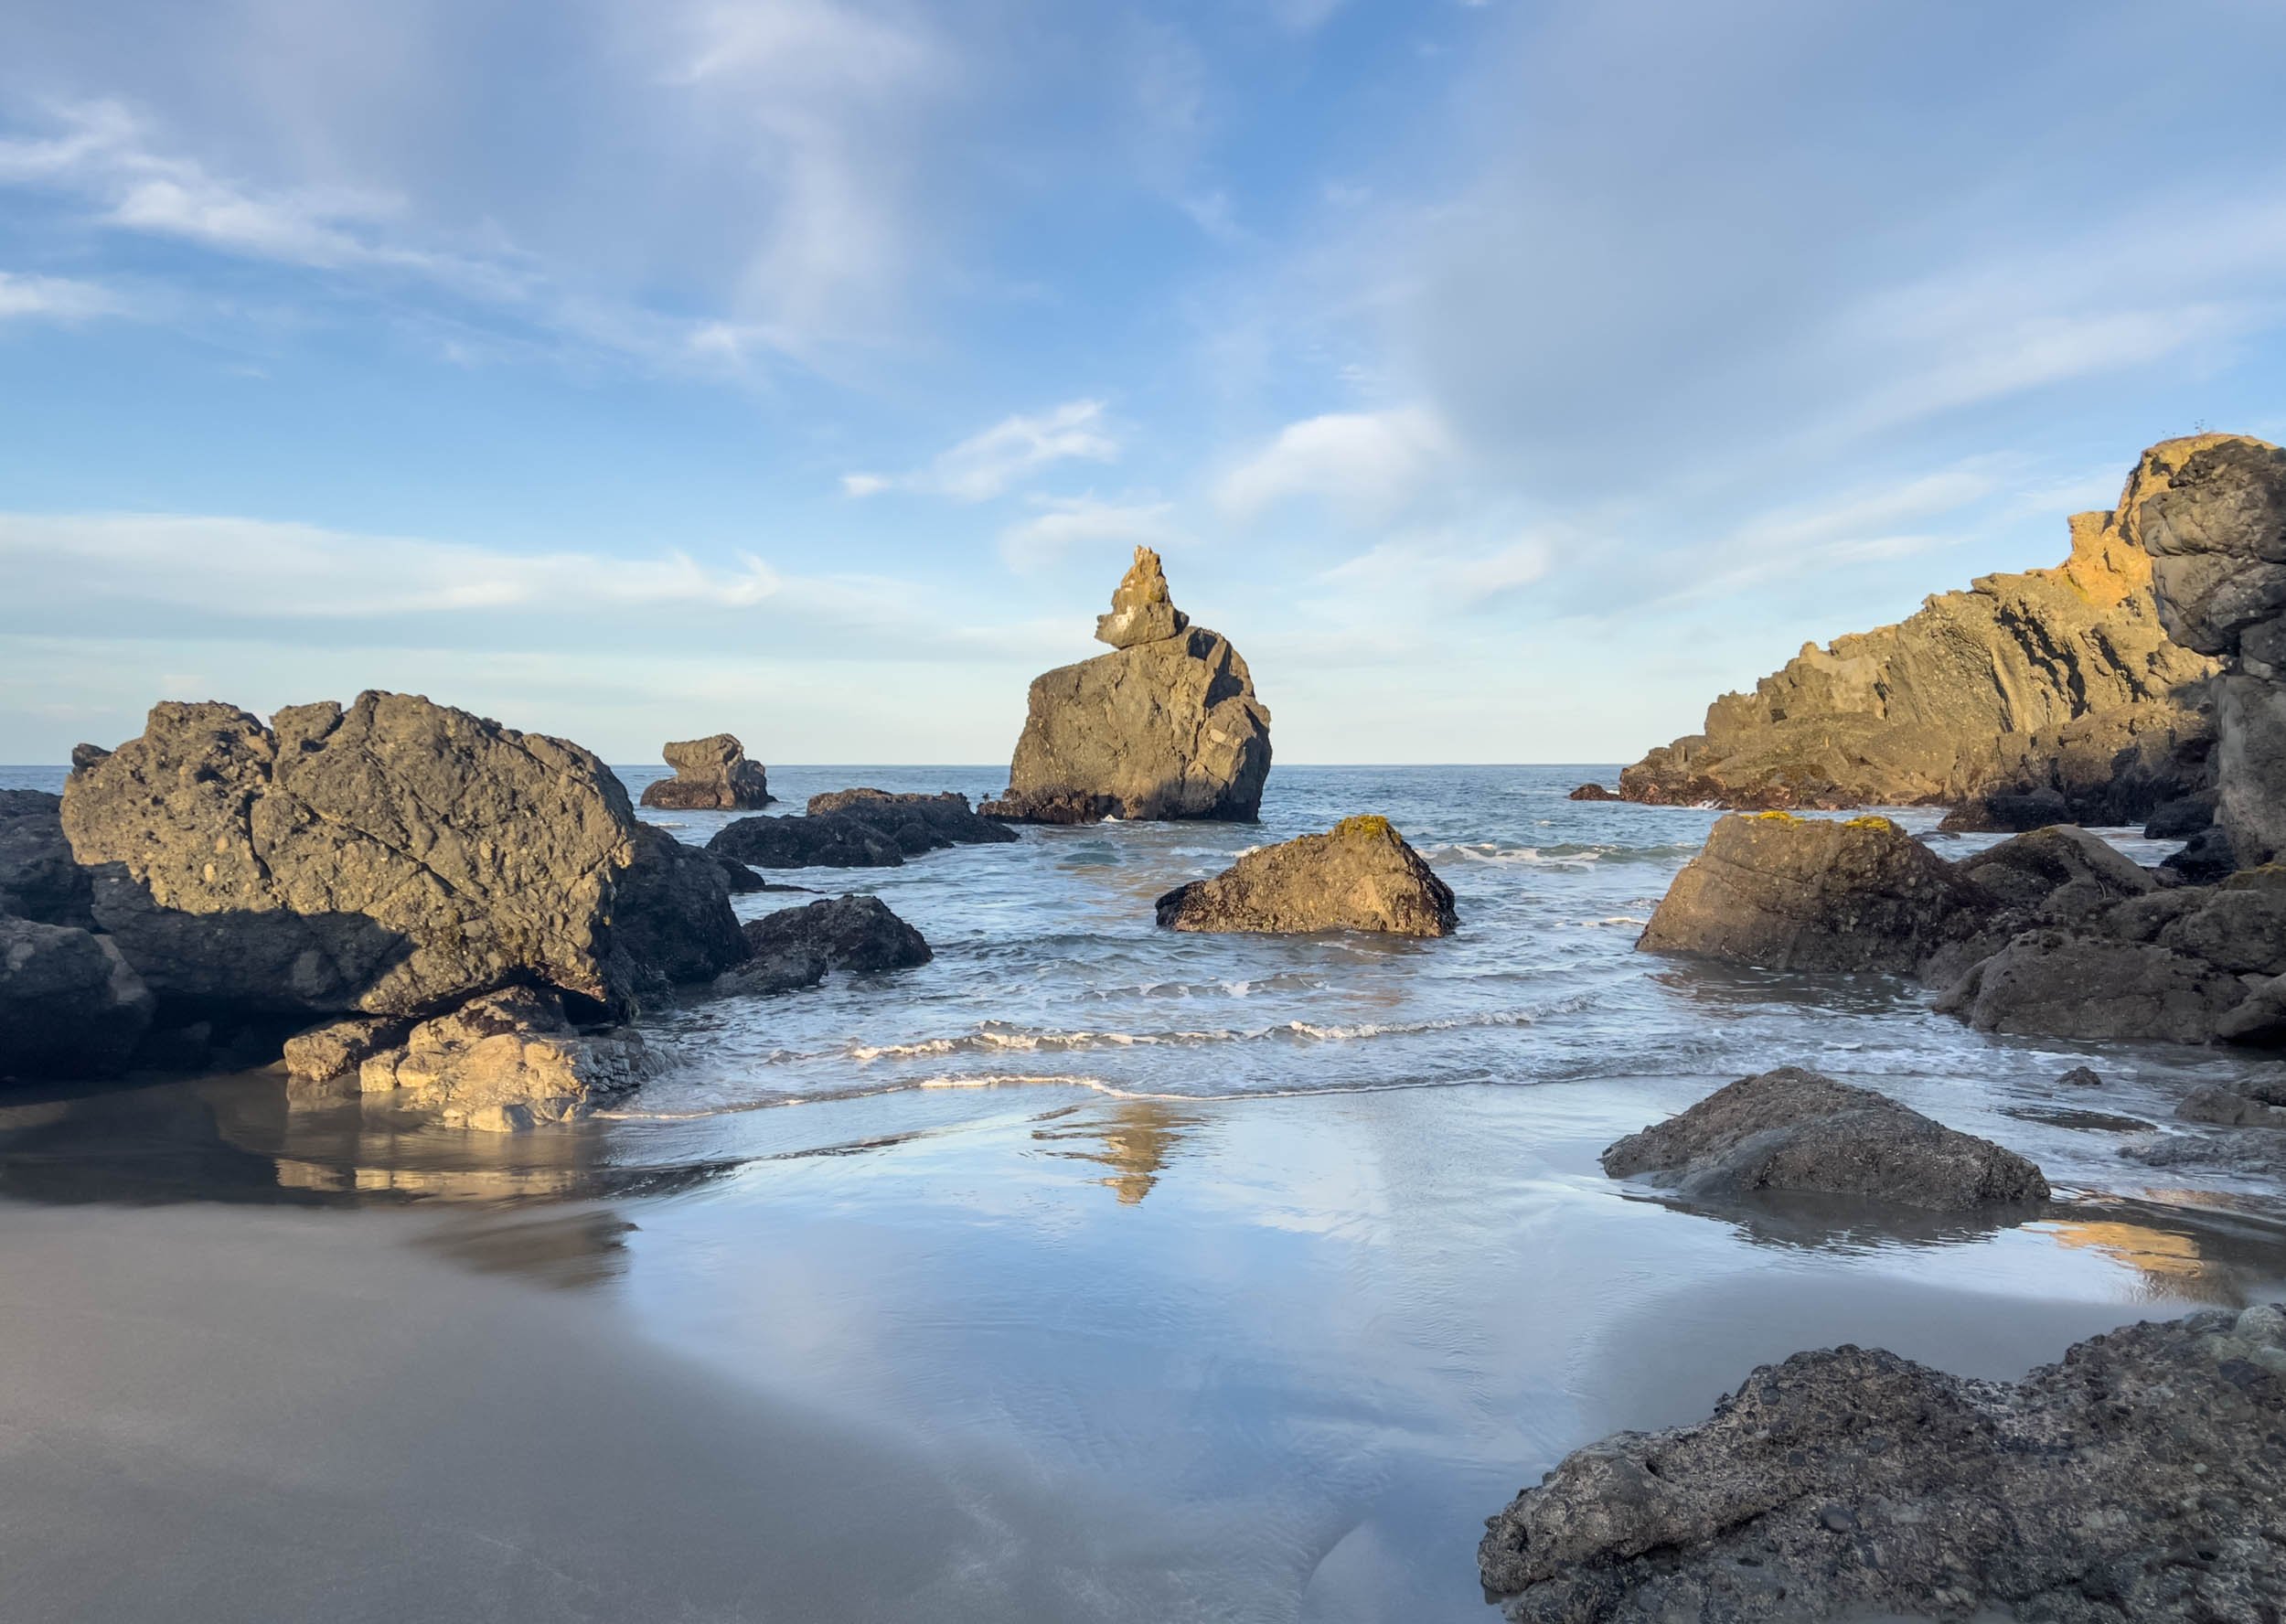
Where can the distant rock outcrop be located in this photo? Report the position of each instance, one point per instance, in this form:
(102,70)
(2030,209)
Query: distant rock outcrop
(2060,680)
(2139,1478)
(1360,876)
(1791,1129)
(858,829)
(1166,726)
(396,857)
(2210,511)
(711,773)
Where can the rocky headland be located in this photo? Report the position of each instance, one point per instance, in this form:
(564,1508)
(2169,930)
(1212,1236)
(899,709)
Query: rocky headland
(1361,875)
(1166,726)
(2046,696)
(712,774)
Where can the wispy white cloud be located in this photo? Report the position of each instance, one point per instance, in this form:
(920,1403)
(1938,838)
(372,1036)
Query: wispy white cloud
(58,298)
(1063,523)
(1435,570)
(1373,462)
(987,465)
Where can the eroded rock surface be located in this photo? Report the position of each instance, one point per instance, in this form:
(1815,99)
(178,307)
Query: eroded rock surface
(2062,681)
(1167,726)
(70,1006)
(1794,1130)
(1360,876)
(337,1048)
(849,933)
(2142,1477)
(918,823)
(507,1061)
(711,773)
(40,877)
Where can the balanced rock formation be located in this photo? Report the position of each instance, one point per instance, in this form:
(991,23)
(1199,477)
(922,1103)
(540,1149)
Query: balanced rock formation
(858,829)
(2210,511)
(2142,1477)
(506,1060)
(1166,726)
(2060,679)
(1813,893)
(70,1006)
(396,857)
(711,773)
(1791,1129)
(1359,876)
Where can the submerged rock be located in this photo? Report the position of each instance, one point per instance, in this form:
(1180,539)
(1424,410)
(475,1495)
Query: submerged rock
(506,1060)
(70,1006)
(1166,726)
(2142,1477)
(1360,876)
(1795,893)
(40,877)
(1594,792)
(1794,1130)
(2056,683)
(847,932)
(711,773)
(385,859)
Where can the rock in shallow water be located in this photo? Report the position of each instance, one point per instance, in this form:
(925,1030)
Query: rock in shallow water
(2142,1477)
(506,1060)
(859,829)
(849,933)
(1791,1129)
(1360,876)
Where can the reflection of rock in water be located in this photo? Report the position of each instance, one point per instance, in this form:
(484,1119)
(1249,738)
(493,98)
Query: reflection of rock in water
(2170,1263)
(1138,1136)
(586,1247)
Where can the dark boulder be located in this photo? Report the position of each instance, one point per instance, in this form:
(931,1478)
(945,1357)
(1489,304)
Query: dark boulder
(837,841)
(849,933)
(2143,1476)
(2009,811)
(2181,819)
(917,822)
(1594,792)
(1361,876)
(2073,984)
(2206,856)
(1793,1130)
(671,914)
(2059,873)
(70,1006)
(710,774)
(40,877)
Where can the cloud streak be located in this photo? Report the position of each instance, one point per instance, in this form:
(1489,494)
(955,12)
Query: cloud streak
(988,463)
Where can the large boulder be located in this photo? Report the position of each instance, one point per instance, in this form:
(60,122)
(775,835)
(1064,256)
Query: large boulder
(1809,893)
(1166,726)
(70,1006)
(711,773)
(2092,987)
(391,858)
(2210,512)
(918,823)
(2060,679)
(671,919)
(40,877)
(2061,873)
(505,1061)
(2143,1476)
(1360,876)
(1793,1130)
(849,933)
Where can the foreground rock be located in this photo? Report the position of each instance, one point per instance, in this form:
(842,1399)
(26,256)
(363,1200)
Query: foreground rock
(711,773)
(2143,1476)
(2211,513)
(1794,894)
(1360,876)
(858,829)
(1793,1130)
(1167,726)
(70,1004)
(40,877)
(391,858)
(509,1060)
(2056,683)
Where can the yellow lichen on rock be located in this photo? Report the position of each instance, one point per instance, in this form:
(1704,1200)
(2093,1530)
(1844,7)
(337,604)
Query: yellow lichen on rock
(1371,824)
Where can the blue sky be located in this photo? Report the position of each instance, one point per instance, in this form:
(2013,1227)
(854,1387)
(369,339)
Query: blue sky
(1504,378)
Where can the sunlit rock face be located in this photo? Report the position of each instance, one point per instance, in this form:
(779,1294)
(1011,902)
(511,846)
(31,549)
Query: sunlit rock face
(711,773)
(1166,726)
(2061,682)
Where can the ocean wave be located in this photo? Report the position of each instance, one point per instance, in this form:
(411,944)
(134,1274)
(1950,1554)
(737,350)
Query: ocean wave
(991,1039)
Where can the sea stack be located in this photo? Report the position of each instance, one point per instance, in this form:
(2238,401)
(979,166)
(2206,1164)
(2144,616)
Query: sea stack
(1166,726)
(712,774)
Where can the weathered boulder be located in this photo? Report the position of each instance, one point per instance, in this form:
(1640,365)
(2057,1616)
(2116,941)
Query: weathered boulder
(785,969)
(1142,611)
(505,1061)
(1360,876)
(2143,1476)
(836,840)
(336,1048)
(2206,856)
(40,877)
(918,823)
(2210,511)
(2181,819)
(390,859)
(1793,1130)
(2072,984)
(2227,1108)
(711,773)
(671,922)
(2061,873)
(2080,1077)
(1594,792)
(70,1006)
(1165,726)
(2058,680)
(1795,893)
(849,933)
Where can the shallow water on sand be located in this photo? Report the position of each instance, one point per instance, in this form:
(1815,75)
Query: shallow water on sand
(1088,1272)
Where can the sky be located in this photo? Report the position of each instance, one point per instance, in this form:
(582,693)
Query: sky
(1504,377)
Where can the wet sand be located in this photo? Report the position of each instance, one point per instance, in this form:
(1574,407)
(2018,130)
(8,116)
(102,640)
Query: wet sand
(1006,1353)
